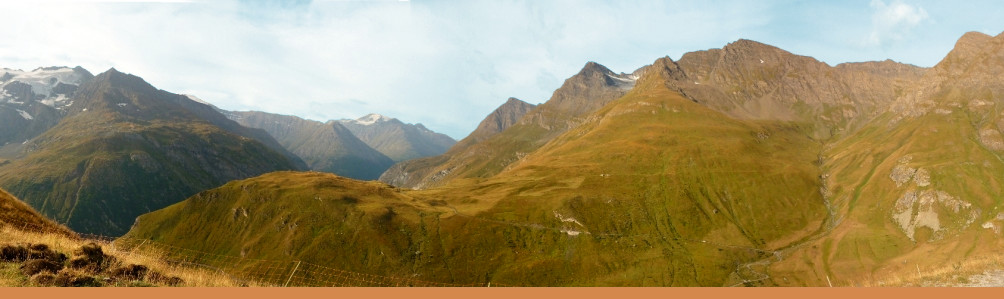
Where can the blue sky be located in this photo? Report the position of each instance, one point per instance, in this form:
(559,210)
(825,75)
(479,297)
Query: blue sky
(447,64)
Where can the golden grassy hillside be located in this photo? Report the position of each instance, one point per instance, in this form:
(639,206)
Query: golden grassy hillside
(30,243)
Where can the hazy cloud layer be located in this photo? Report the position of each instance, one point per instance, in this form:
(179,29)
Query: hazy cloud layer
(445,64)
(893,22)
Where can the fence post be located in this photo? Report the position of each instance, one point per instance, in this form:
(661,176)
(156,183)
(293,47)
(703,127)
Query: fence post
(291,274)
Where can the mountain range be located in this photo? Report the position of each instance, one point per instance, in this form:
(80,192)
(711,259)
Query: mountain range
(125,148)
(95,152)
(397,140)
(361,149)
(746,165)
(327,147)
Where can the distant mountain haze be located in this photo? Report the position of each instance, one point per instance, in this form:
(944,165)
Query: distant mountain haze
(398,140)
(327,147)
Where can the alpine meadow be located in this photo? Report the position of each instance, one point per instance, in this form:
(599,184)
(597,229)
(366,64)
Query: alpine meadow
(744,165)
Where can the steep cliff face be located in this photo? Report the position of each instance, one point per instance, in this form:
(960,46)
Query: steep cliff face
(125,148)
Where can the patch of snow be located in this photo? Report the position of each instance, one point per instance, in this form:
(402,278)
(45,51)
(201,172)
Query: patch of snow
(53,101)
(761,61)
(623,81)
(121,104)
(25,141)
(41,80)
(623,78)
(24,114)
(85,110)
(372,118)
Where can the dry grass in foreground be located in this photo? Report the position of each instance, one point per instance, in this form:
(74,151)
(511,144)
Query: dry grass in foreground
(118,268)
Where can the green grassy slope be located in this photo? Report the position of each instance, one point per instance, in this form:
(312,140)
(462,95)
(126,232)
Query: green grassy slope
(920,187)
(128,149)
(19,215)
(582,94)
(654,201)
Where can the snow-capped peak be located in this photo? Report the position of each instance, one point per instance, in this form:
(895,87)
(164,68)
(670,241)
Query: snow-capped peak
(372,118)
(43,81)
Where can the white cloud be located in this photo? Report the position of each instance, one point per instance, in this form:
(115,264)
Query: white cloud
(446,65)
(893,22)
